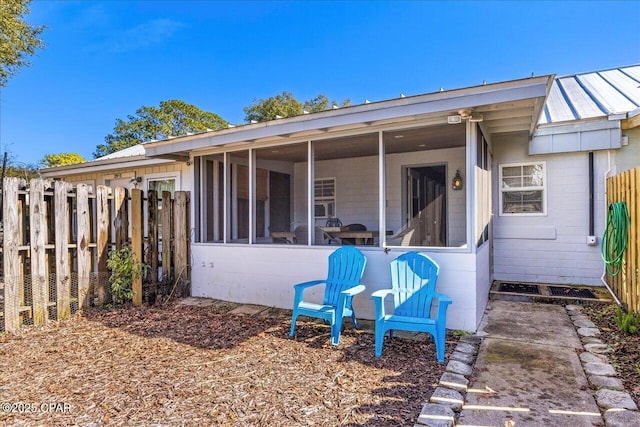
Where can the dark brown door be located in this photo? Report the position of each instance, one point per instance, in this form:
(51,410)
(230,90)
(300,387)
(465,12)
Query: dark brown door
(426,209)
(280,201)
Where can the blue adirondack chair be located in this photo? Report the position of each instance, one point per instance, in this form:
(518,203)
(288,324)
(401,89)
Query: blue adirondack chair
(413,279)
(346,266)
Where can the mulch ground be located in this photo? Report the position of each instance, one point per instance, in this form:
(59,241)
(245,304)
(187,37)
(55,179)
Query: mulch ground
(626,348)
(187,365)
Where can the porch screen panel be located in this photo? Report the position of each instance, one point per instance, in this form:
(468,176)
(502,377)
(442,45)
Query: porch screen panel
(346,182)
(212,190)
(281,194)
(422,208)
(238,189)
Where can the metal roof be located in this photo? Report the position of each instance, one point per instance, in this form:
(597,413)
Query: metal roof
(134,150)
(593,95)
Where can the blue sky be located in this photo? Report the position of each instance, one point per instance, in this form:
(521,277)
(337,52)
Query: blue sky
(105,59)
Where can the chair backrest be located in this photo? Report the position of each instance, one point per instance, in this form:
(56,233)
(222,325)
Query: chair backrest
(354,227)
(413,278)
(346,267)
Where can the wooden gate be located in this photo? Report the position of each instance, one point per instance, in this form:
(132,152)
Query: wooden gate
(56,239)
(625,187)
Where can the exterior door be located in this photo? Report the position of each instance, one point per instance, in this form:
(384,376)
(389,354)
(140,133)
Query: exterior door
(426,210)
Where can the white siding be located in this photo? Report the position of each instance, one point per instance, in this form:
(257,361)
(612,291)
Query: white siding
(266,274)
(629,156)
(555,250)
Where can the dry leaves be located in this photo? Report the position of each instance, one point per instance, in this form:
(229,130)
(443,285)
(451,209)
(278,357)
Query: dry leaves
(186,365)
(626,355)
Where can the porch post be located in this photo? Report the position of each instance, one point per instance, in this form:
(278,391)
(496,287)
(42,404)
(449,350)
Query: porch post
(227,197)
(470,187)
(310,194)
(382,193)
(252,195)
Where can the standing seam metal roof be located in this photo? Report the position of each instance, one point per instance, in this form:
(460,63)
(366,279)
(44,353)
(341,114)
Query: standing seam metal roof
(593,95)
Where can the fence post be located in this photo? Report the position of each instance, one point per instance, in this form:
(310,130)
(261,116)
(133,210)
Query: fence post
(181,239)
(136,241)
(102,241)
(38,230)
(63,271)
(11,261)
(82,244)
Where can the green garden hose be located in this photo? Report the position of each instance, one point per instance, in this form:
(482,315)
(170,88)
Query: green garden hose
(615,238)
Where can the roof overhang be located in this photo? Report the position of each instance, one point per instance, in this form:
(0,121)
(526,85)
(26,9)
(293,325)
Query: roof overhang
(632,120)
(103,165)
(513,106)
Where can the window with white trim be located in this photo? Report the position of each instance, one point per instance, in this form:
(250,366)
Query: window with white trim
(324,201)
(523,189)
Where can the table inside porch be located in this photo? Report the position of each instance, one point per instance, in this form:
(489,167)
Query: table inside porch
(361,237)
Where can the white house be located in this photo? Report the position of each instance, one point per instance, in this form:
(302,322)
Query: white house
(388,166)
(517,153)
(589,129)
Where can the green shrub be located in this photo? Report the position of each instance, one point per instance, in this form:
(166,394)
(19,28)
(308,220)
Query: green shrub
(124,270)
(627,321)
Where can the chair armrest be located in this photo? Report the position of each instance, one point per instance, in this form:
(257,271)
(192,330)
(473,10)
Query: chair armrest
(378,298)
(299,290)
(442,298)
(353,291)
(443,304)
(382,293)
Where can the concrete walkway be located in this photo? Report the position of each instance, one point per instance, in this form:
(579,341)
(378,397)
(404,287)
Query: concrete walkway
(529,370)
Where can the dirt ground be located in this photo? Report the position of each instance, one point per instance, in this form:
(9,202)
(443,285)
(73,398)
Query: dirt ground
(626,348)
(189,365)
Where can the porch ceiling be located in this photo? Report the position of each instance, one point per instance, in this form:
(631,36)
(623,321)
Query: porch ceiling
(366,144)
(513,106)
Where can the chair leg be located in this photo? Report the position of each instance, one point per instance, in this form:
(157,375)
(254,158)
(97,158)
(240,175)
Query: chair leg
(336,328)
(379,340)
(294,316)
(355,321)
(439,341)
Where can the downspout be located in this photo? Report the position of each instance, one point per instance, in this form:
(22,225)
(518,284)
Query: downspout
(606,174)
(591,191)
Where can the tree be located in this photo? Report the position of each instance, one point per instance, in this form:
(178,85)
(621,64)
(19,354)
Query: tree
(321,103)
(286,105)
(62,159)
(282,105)
(171,118)
(18,39)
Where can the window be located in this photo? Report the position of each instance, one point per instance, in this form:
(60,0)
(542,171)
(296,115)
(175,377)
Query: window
(324,197)
(160,185)
(522,189)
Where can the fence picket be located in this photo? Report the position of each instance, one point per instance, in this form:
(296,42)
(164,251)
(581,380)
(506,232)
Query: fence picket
(11,262)
(102,243)
(152,236)
(82,241)
(181,240)
(63,270)
(167,237)
(38,230)
(136,241)
(121,217)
